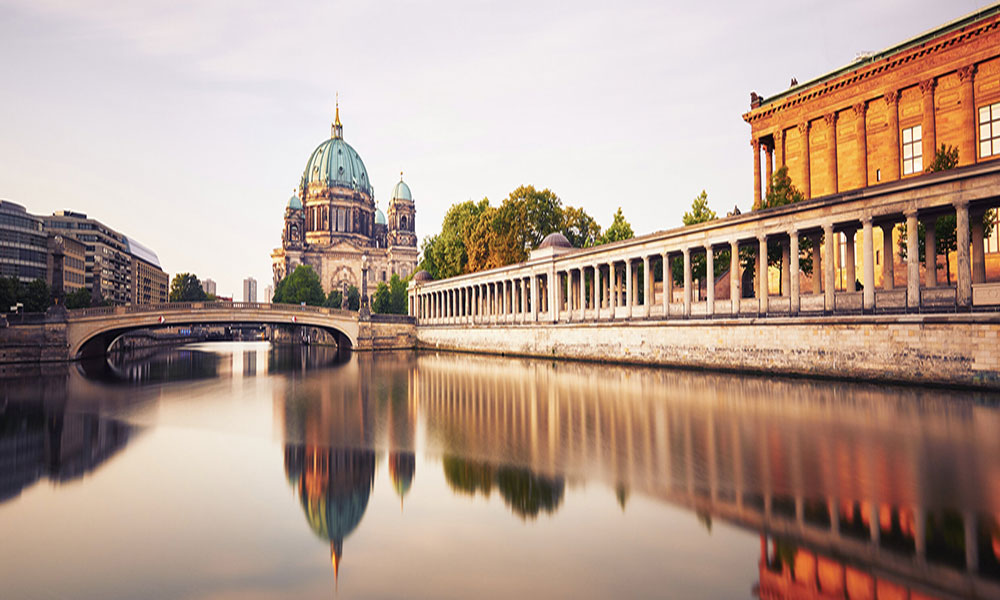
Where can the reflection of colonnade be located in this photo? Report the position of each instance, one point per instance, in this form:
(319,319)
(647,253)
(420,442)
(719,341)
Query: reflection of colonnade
(898,480)
(617,281)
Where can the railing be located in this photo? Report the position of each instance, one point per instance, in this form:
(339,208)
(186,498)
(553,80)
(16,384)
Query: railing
(174,307)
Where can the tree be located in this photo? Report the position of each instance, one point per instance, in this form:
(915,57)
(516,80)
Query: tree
(945,158)
(301,285)
(79,298)
(781,191)
(334,300)
(700,212)
(36,296)
(353,298)
(444,254)
(185,287)
(398,295)
(580,228)
(9,292)
(618,231)
(381,299)
(533,214)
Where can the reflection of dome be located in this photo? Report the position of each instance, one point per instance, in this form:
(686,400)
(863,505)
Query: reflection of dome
(422,275)
(379,217)
(401,191)
(294,203)
(555,240)
(336,163)
(334,486)
(402,466)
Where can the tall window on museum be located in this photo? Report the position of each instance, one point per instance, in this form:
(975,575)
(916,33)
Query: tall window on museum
(340,219)
(913,159)
(989,130)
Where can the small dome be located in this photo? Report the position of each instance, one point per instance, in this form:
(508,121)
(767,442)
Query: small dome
(379,217)
(401,191)
(555,240)
(294,203)
(422,275)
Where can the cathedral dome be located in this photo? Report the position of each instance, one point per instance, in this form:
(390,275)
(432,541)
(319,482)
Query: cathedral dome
(379,217)
(555,240)
(336,163)
(422,275)
(294,203)
(401,191)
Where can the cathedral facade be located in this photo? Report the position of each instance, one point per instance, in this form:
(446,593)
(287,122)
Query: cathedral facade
(334,225)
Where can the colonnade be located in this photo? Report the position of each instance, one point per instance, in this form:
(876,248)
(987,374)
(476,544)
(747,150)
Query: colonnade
(656,276)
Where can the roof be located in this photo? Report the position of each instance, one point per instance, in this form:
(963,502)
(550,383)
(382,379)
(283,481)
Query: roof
(867,59)
(142,252)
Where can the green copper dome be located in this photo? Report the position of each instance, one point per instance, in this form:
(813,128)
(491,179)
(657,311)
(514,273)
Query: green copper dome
(336,163)
(401,191)
(379,217)
(294,203)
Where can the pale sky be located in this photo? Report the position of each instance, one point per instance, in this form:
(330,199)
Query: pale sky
(187,125)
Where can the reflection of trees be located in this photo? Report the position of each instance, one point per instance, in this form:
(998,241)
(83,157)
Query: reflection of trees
(526,493)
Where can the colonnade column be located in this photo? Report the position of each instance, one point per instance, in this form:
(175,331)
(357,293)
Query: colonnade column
(912,261)
(888,257)
(534,297)
(762,273)
(687,282)
(930,252)
(583,293)
(664,289)
(793,283)
(817,264)
(709,280)
(647,285)
(612,277)
(868,268)
(629,290)
(734,276)
(525,283)
(828,274)
(850,261)
(963,294)
(598,292)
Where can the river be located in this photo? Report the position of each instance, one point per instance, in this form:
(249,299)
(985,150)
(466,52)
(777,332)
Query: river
(241,470)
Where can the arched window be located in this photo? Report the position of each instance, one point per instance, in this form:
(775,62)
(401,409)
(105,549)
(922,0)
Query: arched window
(402,222)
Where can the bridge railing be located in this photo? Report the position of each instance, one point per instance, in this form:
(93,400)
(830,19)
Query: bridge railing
(200,306)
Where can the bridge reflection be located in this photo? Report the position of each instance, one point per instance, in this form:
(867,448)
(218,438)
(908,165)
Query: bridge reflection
(854,489)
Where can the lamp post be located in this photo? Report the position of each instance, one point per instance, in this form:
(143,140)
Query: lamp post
(365,263)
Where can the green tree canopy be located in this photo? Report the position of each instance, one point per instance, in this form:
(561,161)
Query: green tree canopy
(580,228)
(334,299)
(185,287)
(301,285)
(618,230)
(444,254)
(353,298)
(945,158)
(781,191)
(390,299)
(79,298)
(700,212)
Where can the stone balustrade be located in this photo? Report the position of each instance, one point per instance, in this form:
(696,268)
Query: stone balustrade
(634,279)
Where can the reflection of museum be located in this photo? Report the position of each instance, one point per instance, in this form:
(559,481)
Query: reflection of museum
(333,223)
(837,482)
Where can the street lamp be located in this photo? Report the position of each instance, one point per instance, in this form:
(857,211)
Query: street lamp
(365,264)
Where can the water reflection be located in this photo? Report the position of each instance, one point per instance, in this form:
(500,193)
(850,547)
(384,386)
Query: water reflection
(903,481)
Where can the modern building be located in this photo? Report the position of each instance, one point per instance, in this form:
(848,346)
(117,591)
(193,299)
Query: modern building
(110,257)
(334,225)
(23,244)
(268,294)
(208,285)
(883,117)
(150,285)
(250,290)
(66,266)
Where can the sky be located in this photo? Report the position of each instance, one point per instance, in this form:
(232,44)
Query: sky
(187,125)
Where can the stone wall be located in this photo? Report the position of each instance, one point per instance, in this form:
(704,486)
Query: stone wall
(40,342)
(385,332)
(939,349)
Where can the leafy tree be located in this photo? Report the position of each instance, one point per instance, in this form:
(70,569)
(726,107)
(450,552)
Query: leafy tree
(534,214)
(493,241)
(301,285)
(185,287)
(945,158)
(444,254)
(36,296)
(398,295)
(618,231)
(381,299)
(353,298)
(9,292)
(334,299)
(580,228)
(79,298)
(700,212)
(781,191)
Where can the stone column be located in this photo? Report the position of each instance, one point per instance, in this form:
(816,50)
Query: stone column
(793,283)
(583,293)
(558,292)
(964,276)
(687,282)
(612,278)
(779,148)
(755,145)
(523,282)
(850,260)
(892,117)
(861,136)
(534,298)
(665,289)
(804,135)
(888,257)
(930,252)
(817,271)
(762,273)
(786,268)
(927,121)
(968,122)
(593,292)
(912,262)
(831,151)
(868,266)
(647,285)
(828,274)
(629,298)
(978,251)
(709,280)
(734,276)
(768,166)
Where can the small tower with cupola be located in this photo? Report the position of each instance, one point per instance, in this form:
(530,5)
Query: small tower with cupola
(402,230)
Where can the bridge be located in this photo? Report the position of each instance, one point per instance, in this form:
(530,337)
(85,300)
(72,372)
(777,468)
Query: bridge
(91,331)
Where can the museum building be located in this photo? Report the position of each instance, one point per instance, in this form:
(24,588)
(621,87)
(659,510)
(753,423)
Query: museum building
(334,225)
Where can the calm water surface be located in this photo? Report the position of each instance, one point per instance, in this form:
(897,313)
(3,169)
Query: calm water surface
(245,471)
